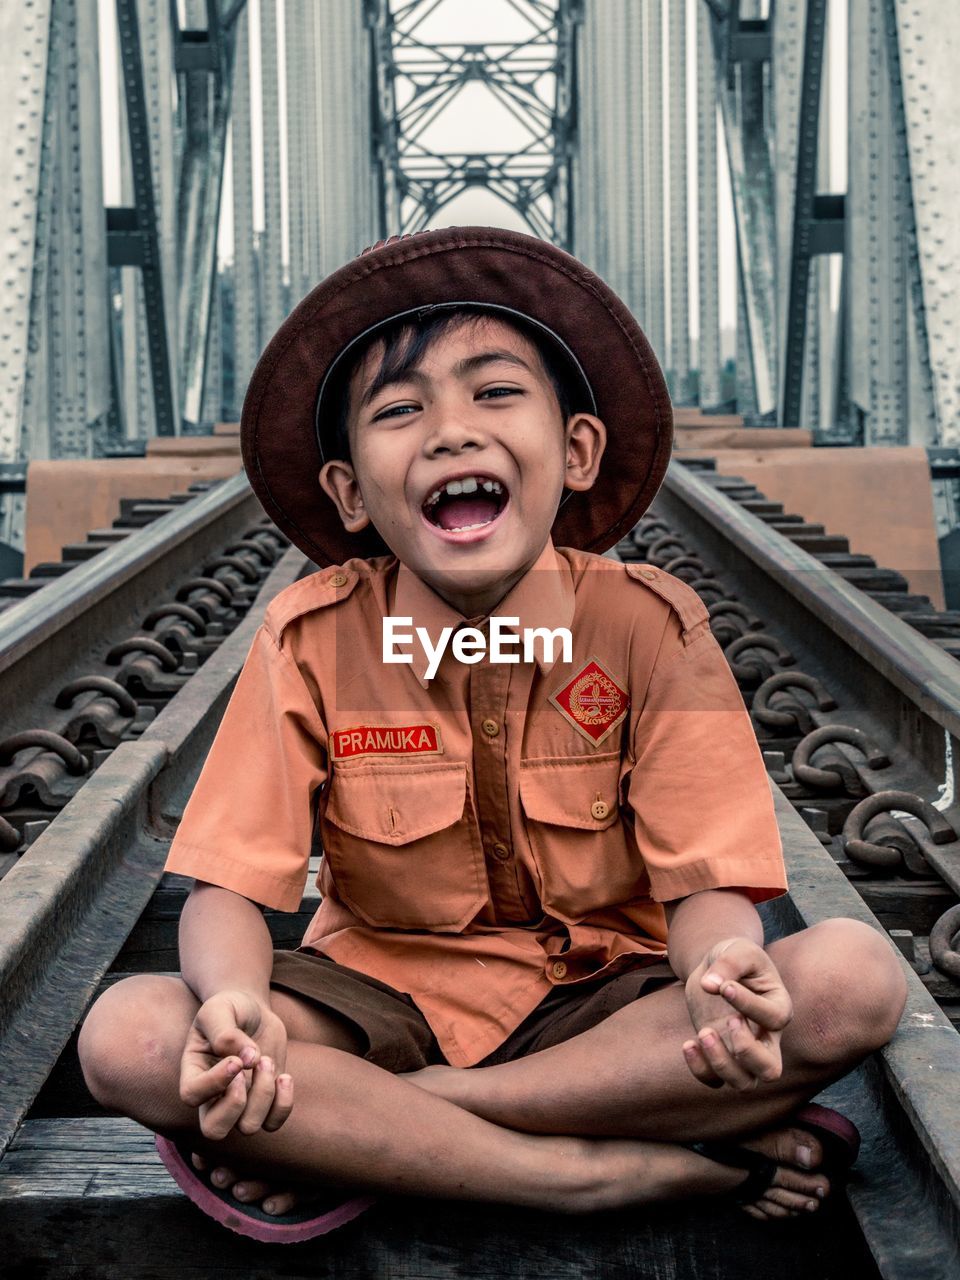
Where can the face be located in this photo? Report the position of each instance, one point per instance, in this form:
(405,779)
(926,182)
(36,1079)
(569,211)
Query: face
(461,464)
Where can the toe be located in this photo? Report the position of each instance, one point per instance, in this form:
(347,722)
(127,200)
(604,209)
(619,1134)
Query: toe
(281,1202)
(810,1185)
(249,1189)
(198,1161)
(223,1177)
(794,1201)
(771,1209)
(799,1148)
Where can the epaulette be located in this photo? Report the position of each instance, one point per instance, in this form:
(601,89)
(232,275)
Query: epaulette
(318,591)
(681,597)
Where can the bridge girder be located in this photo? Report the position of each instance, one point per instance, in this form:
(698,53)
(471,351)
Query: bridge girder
(419,79)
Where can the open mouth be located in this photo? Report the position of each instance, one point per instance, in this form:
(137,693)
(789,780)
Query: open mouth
(465,504)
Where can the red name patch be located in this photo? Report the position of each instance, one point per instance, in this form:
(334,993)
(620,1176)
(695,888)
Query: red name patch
(593,702)
(386,740)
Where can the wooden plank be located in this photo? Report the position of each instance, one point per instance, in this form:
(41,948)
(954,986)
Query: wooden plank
(90,1198)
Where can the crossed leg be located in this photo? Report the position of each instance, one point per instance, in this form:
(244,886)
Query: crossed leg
(603,1111)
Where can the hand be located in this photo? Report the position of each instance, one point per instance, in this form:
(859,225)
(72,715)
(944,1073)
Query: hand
(739,1007)
(232,1066)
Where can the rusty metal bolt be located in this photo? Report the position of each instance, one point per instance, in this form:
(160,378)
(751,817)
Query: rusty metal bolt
(711,591)
(99,684)
(944,939)
(45,740)
(174,609)
(146,645)
(687,568)
(872,854)
(666,548)
(757,667)
(789,713)
(9,837)
(830,779)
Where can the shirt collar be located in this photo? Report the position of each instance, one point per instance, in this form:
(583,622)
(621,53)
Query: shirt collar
(544,597)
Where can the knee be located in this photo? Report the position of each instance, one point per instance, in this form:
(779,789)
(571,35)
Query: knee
(121,1044)
(853,991)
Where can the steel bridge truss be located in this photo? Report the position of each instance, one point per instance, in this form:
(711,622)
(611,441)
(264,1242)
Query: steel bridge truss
(418,80)
(107,334)
(886,368)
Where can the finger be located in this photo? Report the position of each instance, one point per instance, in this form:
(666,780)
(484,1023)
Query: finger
(723,1064)
(759,1059)
(772,1009)
(219,1117)
(226,1025)
(699,1067)
(200,1084)
(282,1104)
(259,1097)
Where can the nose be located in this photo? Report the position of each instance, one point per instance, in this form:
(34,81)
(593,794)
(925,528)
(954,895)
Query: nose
(453,433)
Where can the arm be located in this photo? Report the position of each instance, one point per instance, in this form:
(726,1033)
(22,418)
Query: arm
(243,956)
(235,1052)
(737,1001)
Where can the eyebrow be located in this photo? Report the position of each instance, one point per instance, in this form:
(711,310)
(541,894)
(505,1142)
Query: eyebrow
(464,367)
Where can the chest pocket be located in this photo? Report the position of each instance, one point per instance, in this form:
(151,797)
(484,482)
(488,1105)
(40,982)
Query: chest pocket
(585,857)
(403,845)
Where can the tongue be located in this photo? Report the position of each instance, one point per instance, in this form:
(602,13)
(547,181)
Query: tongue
(455,513)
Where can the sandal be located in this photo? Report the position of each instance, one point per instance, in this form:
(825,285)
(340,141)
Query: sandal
(249,1219)
(837,1135)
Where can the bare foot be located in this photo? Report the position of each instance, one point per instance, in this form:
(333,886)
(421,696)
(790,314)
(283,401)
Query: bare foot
(251,1190)
(798,1186)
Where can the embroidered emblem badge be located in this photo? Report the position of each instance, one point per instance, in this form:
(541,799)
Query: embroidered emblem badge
(593,702)
(386,740)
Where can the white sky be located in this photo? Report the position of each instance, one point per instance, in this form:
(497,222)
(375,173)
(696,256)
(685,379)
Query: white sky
(471,124)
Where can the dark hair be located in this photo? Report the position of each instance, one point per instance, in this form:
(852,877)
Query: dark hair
(407,341)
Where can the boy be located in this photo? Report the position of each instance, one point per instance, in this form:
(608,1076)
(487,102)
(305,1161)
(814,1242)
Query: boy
(511,848)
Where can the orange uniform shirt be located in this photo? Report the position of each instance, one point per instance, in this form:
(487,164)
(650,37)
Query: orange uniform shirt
(503,827)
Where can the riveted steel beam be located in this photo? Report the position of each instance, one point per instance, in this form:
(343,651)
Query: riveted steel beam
(145,215)
(419,79)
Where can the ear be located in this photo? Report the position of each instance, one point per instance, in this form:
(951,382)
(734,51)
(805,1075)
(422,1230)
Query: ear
(586,441)
(338,480)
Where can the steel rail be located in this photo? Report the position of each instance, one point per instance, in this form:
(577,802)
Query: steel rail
(68,905)
(60,628)
(874,639)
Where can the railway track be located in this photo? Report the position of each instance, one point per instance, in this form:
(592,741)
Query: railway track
(83,901)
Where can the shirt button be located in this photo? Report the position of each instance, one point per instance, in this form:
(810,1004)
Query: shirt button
(647,573)
(500,851)
(338,580)
(600,809)
(559,969)
(490,728)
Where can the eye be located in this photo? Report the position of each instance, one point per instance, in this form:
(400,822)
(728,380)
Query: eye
(497,393)
(395,411)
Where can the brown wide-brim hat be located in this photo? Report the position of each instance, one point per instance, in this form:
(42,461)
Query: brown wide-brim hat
(288,428)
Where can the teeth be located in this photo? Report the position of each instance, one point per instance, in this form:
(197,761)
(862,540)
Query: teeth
(470,484)
(462,528)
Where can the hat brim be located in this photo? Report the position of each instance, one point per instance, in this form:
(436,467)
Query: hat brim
(477,266)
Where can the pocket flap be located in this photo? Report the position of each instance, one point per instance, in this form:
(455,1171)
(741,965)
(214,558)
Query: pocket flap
(581,793)
(395,804)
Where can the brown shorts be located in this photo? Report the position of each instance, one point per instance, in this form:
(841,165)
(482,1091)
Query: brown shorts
(398,1037)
